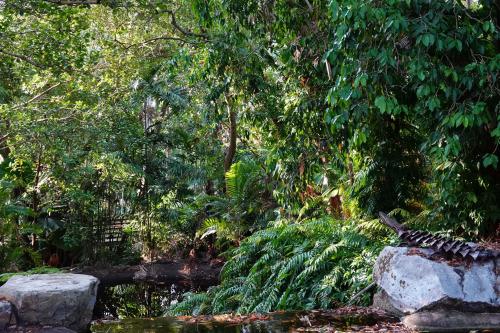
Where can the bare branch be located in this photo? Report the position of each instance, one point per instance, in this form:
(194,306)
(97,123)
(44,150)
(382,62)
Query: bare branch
(309,6)
(34,98)
(40,94)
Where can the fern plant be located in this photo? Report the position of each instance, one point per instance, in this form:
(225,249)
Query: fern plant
(316,263)
(246,207)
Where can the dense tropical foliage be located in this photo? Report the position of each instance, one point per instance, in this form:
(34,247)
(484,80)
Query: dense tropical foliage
(270,131)
(313,264)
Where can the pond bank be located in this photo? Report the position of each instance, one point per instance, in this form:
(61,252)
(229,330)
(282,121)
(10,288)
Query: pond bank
(347,319)
(189,273)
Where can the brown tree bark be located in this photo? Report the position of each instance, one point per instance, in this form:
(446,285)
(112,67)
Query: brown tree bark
(36,199)
(231,150)
(4,148)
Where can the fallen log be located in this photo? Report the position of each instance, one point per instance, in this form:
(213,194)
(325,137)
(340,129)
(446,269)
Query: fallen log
(197,275)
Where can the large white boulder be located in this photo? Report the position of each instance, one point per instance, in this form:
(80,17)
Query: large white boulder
(411,282)
(65,300)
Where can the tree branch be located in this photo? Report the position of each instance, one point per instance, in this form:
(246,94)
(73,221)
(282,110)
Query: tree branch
(155,39)
(181,29)
(54,119)
(41,94)
(34,98)
(74,2)
(22,57)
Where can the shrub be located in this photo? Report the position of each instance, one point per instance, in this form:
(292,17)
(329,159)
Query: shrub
(290,266)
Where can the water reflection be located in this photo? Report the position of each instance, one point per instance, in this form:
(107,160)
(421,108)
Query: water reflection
(136,304)
(171,325)
(136,300)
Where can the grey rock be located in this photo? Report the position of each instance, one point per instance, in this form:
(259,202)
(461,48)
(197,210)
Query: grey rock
(57,300)
(452,321)
(6,314)
(382,301)
(413,283)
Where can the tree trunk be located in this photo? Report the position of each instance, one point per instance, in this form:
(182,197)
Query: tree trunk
(350,170)
(36,200)
(4,147)
(231,150)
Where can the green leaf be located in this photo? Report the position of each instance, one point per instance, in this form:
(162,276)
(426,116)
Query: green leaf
(488,26)
(381,103)
(490,160)
(423,90)
(496,132)
(428,40)
(433,103)
(471,197)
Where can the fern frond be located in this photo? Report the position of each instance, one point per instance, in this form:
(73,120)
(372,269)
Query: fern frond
(295,266)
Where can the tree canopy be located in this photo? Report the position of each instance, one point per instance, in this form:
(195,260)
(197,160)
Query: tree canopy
(267,129)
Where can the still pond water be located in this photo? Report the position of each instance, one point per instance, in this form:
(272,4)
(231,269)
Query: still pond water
(172,325)
(276,323)
(140,308)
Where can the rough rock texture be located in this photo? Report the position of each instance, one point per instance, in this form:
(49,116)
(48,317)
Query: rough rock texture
(382,301)
(452,321)
(6,315)
(411,282)
(65,300)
